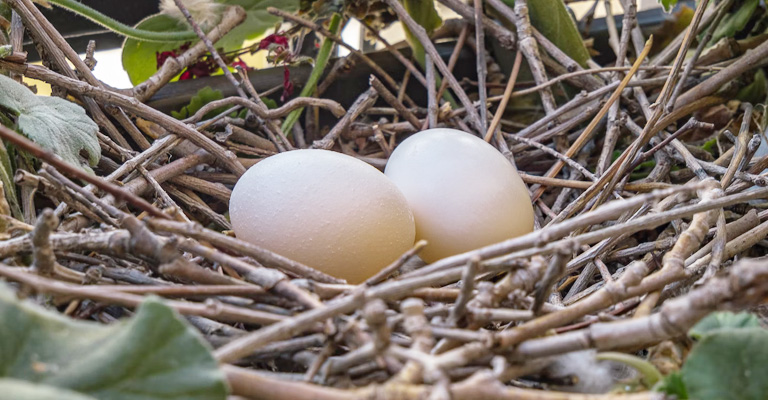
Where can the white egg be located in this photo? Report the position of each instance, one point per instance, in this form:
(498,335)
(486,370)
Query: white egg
(327,210)
(464,194)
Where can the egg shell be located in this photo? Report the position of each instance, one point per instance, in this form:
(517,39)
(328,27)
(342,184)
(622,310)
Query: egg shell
(464,194)
(327,210)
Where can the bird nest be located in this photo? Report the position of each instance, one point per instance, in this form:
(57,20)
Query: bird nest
(645,175)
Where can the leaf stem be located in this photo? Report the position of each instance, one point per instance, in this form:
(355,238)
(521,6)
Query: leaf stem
(651,375)
(322,60)
(121,28)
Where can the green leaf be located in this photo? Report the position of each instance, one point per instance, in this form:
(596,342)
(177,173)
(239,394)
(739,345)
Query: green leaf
(650,374)
(257,20)
(139,59)
(14,389)
(152,356)
(754,92)
(553,20)
(723,320)
(424,13)
(6,50)
(728,364)
(673,384)
(668,4)
(269,102)
(736,21)
(201,98)
(57,125)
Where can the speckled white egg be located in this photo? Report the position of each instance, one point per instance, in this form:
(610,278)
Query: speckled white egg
(327,210)
(464,194)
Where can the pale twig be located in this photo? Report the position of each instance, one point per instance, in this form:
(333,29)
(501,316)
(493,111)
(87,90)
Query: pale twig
(231,17)
(482,68)
(130,103)
(99,182)
(527,45)
(741,147)
(392,100)
(585,135)
(422,36)
(260,110)
(454,58)
(505,98)
(44,260)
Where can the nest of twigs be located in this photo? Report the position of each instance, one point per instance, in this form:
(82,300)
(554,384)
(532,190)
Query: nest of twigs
(639,231)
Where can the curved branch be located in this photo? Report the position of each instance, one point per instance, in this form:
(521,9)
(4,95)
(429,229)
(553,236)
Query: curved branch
(335,108)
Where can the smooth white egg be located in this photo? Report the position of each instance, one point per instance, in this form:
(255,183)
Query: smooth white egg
(327,210)
(464,194)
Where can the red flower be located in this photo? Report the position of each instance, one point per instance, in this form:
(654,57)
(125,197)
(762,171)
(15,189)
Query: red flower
(201,68)
(275,38)
(240,63)
(161,58)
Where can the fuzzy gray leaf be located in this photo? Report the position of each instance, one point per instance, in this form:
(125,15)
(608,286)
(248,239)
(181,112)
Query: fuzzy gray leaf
(55,124)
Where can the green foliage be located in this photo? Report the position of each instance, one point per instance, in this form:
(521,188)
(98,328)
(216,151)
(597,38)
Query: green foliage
(14,389)
(754,92)
(269,102)
(727,363)
(139,59)
(553,20)
(668,4)
(723,320)
(323,55)
(57,125)
(650,375)
(152,356)
(201,98)
(673,384)
(257,20)
(710,145)
(735,21)
(425,14)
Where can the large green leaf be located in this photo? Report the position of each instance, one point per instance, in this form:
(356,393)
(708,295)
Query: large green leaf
(14,389)
(139,59)
(152,356)
(554,21)
(257,20)
(723,320)
(57,125)
(728,364)
(735,21)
